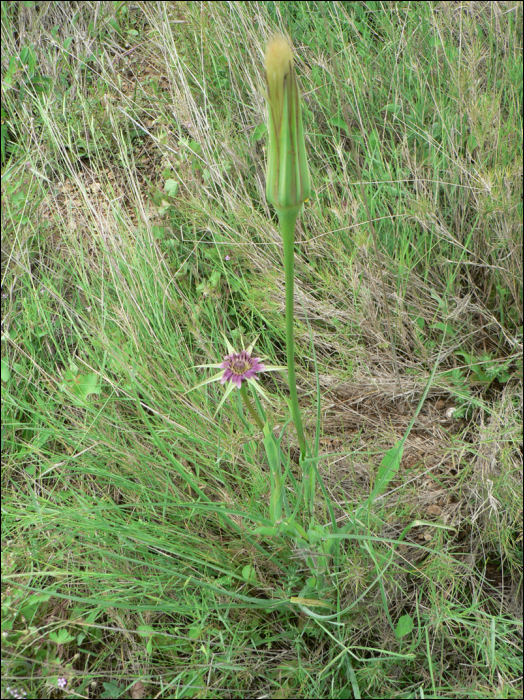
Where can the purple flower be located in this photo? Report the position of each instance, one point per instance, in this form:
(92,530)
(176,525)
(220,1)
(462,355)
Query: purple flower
(227,257)
(240,366)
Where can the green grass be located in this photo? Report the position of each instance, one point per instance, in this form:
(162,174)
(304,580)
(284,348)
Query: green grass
(133,157)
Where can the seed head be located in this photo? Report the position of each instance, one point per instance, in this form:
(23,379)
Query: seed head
(287,179)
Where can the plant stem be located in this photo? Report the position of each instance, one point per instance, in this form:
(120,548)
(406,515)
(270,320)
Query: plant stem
(249,406)
(287,228)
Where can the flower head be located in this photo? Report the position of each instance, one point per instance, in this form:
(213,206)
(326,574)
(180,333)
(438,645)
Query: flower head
(240,366)
(287,178)
(18,694)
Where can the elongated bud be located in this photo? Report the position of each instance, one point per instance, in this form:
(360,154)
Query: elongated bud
(287,179)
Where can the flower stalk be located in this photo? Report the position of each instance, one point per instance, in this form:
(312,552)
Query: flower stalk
(287,227)
(252,410)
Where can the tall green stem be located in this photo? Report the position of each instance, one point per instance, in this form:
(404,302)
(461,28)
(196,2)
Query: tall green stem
(287,228)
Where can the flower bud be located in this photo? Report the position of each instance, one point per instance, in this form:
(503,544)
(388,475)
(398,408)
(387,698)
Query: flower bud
(287,179)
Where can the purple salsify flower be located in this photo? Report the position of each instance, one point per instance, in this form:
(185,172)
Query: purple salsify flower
(238,367)
(241,366)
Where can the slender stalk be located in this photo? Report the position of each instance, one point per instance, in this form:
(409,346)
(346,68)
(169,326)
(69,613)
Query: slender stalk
(249,406)
(287,228)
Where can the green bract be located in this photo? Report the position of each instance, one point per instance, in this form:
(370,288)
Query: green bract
(287,181)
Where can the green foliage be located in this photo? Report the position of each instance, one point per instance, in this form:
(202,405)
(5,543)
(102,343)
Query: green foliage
(404,626)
